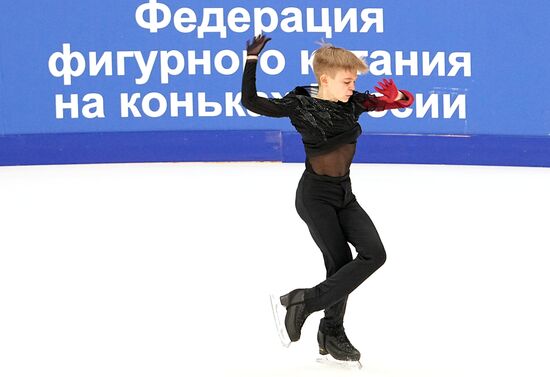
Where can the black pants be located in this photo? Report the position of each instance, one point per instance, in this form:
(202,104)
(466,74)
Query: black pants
(334,218)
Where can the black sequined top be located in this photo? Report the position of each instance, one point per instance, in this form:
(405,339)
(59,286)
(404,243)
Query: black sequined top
(324,125)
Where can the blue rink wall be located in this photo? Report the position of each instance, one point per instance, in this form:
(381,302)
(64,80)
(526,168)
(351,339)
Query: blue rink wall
(85,148)
(151,81)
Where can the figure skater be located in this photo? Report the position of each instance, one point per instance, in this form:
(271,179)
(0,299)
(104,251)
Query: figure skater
(326,116)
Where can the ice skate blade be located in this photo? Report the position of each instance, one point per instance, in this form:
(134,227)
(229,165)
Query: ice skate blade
(329,360)
(279,313)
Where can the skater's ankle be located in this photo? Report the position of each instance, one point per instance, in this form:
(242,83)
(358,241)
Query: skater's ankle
(331,330)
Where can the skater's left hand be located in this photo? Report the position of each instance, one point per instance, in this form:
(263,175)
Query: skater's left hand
(389,91)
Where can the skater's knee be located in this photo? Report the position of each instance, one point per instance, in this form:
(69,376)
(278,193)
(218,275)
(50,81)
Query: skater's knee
(381,258)
(374,257)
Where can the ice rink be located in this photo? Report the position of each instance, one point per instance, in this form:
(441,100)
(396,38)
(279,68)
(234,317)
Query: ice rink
(165,270)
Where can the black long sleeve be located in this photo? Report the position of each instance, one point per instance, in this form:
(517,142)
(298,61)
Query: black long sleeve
(272,107)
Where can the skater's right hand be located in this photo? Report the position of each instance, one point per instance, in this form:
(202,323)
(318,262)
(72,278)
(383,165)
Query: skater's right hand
(257,45)
(389,91)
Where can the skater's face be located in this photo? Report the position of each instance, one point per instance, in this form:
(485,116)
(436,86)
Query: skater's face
(341,86)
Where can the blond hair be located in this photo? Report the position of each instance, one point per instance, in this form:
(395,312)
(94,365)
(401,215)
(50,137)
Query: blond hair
(329,59)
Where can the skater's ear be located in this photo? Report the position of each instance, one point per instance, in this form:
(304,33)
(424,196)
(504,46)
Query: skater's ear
(323,80)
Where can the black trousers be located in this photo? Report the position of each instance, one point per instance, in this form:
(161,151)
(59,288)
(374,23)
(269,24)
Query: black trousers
(334,218)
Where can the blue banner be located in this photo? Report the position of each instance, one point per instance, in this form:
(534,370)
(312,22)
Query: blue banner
(475,68)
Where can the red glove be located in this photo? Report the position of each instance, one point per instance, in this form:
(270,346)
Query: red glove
(388,89)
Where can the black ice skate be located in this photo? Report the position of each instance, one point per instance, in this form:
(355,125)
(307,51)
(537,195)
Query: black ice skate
(339,347)
(294,317)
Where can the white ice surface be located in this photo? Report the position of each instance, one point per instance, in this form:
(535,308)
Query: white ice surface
(166,269)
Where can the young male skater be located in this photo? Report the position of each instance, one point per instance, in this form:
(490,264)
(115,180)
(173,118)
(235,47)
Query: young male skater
(326,117)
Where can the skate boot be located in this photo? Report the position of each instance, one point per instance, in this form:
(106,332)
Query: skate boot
(339,347)
(296,313)
(293,308)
